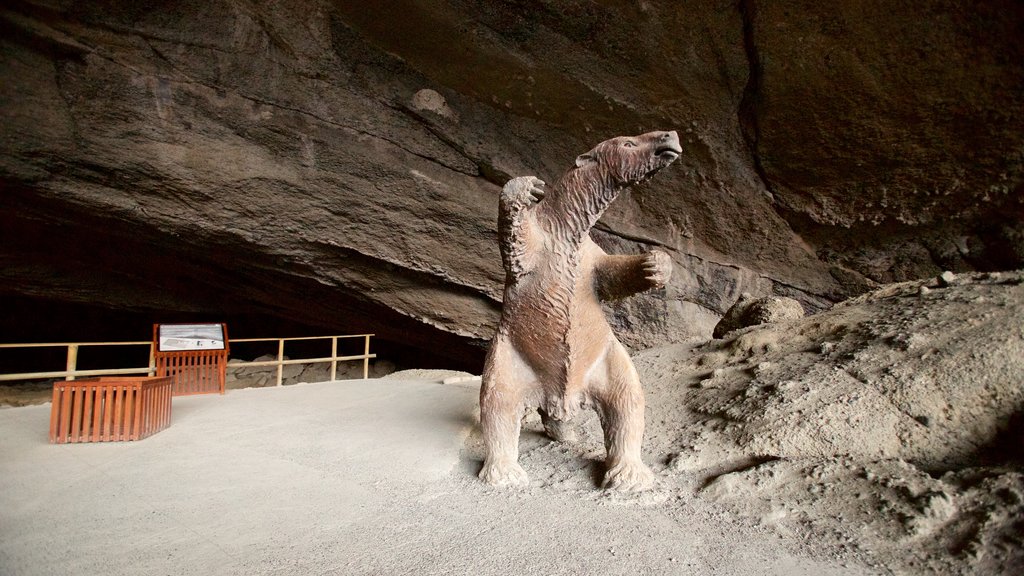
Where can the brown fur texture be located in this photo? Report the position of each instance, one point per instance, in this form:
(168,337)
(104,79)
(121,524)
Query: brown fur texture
(554,349)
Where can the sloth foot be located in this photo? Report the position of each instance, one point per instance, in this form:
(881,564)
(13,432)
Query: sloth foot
(525,189)
(657,268)
(628,476)
(504,474)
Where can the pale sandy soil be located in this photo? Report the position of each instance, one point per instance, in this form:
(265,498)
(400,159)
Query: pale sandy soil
(881,437)
(353,477)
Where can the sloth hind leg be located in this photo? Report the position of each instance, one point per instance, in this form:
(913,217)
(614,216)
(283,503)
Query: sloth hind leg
(501,409)
(621,406)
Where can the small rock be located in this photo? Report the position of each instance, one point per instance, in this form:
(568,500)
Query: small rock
(924,290)
(431,100)
(946,279)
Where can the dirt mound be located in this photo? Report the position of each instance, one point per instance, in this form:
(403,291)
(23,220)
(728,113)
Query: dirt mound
(435,375)
(930,375)
(890,424)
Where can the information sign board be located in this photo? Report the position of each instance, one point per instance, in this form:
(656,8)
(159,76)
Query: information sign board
(185,337)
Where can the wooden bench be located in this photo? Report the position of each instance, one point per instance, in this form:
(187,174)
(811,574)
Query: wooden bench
(110,409)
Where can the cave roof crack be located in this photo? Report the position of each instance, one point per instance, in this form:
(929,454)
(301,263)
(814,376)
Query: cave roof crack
(486,170)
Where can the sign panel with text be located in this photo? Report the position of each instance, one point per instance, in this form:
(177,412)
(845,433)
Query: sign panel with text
(185,337)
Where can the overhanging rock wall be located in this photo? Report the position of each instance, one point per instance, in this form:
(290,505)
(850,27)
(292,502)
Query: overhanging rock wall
(339,165)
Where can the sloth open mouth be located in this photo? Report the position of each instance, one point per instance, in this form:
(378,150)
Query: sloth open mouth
(668,152)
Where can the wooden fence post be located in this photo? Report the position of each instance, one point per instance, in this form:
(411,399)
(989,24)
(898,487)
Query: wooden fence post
(334,358)
(72,360)
(366,358)
(280,359)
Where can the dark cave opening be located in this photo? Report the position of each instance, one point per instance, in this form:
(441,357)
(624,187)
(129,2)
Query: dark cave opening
(72,276)
(38,320)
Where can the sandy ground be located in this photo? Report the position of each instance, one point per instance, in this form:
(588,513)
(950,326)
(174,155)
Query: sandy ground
(354,477)
(884,436)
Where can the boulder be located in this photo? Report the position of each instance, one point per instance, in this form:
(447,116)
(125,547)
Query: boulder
(750,311)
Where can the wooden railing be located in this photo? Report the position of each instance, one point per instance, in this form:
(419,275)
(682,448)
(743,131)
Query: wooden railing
(71,371)
(333,358)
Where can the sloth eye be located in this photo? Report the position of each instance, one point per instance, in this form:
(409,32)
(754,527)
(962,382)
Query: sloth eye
(629,144)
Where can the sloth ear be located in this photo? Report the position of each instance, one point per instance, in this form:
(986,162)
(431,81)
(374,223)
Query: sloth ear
(585,159)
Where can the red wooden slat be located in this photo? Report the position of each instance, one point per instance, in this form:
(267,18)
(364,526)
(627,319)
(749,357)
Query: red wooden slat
(118,412)
(54,413)
(156,406)
(108,414)
(65,414)
(162,394)
(76,412)
(140,404)
(130,395)
(129,411)
(154,402)
(183,378)
(151,407)
(140,411)
(88,392)
(204,366)
(208,373)
(172,373)
(97,413)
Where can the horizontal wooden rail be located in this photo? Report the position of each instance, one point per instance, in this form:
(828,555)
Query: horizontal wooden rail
(333,358)
(75,373)
(299,338)
(299,361)
(59,344)
(71,371)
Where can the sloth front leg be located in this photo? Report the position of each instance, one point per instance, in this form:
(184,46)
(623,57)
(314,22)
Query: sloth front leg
(619,276)
(501,408)
(514,228)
